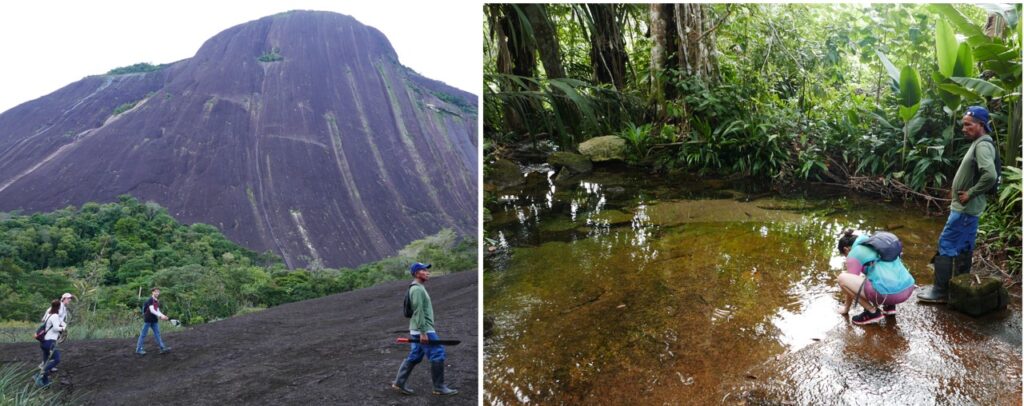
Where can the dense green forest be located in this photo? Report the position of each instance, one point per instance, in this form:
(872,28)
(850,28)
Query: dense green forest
(109,255)
(867,97)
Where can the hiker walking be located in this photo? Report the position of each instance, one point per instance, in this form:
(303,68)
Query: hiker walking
(874,275)
(151,317)
(51,355)
(977,175)
(65,300)
(421,328)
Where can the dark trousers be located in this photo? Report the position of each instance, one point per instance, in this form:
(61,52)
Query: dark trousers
(51,354)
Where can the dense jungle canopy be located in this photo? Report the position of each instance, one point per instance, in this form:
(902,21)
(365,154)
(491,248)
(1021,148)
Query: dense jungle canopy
(866,96)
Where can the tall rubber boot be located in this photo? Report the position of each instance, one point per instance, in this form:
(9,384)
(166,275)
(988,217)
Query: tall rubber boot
(437,374)
(963,263)
(403,375)
(938,292)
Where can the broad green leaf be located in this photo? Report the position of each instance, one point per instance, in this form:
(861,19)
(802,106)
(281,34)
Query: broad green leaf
(906,113)
(991,51)
(910,88)
(978,40)
(959,91)
(947,135)
(981,87)
(882,120)
(914,125)
(962,24)
(890,68)
(945,47)
(964,62)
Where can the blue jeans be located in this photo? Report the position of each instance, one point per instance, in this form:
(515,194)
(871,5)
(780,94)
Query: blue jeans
(434,352)
(156,333)
(959,234)
(51,354)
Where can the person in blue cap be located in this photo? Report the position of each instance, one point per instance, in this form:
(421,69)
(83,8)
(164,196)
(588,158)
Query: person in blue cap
(977,175)
(421,328)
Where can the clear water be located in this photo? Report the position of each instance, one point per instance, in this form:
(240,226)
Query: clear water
(625,287)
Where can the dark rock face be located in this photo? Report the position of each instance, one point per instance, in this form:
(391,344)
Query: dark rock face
(331,153)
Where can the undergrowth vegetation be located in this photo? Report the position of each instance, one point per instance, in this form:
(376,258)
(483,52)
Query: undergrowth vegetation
(842,94)
(109,255)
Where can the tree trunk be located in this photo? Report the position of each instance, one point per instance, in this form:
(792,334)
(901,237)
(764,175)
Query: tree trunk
(696,46)
(546,39)
(515,57)
(663,45)
(607,47)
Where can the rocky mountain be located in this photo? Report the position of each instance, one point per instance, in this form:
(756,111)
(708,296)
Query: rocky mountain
(298,133)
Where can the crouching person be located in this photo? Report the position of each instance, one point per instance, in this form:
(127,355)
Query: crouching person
(421,328)
(874,274)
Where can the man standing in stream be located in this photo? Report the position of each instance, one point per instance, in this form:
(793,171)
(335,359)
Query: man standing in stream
(421,328)
(977,175)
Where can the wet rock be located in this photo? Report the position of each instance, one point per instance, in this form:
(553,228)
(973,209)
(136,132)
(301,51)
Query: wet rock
(615,190)
(574,162)
(505,174)
(977,295)
(488,326)
(566,177)
(606,148)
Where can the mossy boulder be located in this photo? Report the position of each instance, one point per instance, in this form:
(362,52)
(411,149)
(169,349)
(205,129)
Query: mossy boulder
(574,162)
(504,173)
(976,295)
(606,148)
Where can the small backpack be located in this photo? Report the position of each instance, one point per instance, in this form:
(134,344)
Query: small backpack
(407,305)
(886,244)
(42,330)
(888,275)
(999,167)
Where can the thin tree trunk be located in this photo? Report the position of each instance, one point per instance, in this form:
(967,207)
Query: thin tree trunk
(696,45)
(608,49)
(663,61)
(515,57)
(546,41)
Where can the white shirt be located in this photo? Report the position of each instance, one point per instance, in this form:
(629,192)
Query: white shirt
(63,313)
(54,325)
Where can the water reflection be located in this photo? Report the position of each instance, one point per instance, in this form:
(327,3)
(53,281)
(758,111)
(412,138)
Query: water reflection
(618,290)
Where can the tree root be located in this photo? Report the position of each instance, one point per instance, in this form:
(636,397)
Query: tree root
(891,189)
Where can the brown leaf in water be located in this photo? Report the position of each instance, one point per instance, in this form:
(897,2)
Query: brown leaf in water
(751,377)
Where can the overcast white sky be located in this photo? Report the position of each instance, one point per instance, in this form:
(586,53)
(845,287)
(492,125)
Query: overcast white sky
(49,44)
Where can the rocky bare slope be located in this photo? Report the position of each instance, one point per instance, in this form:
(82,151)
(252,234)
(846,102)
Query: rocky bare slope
(299,133)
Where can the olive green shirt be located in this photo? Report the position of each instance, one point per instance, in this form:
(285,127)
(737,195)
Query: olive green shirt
(422,320)
(981,156)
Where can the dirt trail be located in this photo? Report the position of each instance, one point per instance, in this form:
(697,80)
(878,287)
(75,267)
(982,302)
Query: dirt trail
(332,350)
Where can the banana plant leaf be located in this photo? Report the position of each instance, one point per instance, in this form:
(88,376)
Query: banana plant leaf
(945,47)
(964,62)
(979,86)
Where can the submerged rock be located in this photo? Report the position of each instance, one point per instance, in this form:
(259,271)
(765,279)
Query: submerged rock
(505,174)
(606,148)
(976,295)
(574,162)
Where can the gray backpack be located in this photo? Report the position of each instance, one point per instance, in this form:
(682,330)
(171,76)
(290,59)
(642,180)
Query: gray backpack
(886,244)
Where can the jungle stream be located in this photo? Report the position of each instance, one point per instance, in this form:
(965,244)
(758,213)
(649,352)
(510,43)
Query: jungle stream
(626,286)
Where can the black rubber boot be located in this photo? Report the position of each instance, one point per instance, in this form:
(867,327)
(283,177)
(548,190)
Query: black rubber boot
(437,374)
(403,375)
(963,263)
(938,292)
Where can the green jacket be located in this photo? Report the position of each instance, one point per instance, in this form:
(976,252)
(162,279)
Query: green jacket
(422,311)
(964,180)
